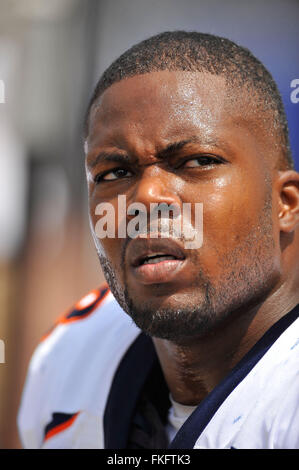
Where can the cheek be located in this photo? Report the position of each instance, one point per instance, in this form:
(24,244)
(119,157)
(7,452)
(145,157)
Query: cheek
(102,216)
(232,209)
(110,258)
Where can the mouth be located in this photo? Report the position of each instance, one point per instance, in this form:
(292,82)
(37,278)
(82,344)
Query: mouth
(155,258)
(155,261)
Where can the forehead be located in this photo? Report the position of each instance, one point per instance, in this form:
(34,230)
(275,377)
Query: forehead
(154,109)
(178,98)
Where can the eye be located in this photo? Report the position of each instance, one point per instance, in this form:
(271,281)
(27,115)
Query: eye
(202,161)
(113,175)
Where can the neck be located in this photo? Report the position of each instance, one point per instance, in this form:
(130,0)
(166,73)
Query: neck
(193,370)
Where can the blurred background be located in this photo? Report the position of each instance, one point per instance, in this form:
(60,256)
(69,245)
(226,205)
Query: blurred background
(51,54)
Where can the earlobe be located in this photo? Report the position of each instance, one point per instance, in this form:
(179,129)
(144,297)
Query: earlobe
(288,213)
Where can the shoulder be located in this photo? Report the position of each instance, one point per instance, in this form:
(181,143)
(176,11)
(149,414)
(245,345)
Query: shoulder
(84,308)
(92,324)
(273,389)
(262,409)
(72,368)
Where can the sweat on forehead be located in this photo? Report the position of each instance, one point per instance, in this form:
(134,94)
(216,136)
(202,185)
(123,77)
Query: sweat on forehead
(199,52)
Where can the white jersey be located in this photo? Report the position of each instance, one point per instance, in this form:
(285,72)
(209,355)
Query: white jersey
(85,377)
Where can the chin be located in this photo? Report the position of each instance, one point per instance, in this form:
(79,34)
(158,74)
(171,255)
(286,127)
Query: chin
(172,320)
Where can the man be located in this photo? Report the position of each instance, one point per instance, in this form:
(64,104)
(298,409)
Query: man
(181,118)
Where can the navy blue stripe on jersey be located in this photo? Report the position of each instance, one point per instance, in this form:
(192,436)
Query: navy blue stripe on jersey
(77,313)
(127,385)
(199,419)
(82,309)
(59,422)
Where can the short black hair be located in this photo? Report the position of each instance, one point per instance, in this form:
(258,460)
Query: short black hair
(201,52)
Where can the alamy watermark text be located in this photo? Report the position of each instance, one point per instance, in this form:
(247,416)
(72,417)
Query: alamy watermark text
(164,220)
(295,93)
(2,352)
(2,92)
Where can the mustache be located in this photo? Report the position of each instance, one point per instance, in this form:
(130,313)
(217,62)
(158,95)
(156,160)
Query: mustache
(162,228)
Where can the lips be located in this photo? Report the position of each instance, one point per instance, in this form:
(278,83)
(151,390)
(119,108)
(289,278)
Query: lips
(155,261)
(156,258)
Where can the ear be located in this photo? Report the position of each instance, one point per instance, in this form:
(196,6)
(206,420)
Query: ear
(288,186)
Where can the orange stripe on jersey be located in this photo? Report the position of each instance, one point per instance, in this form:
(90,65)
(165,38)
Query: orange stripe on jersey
(82,309)
(61,427)
(87,300)
(86,306)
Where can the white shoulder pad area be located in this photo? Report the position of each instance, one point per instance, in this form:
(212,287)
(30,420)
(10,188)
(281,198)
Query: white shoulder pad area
(70,373)
(262,411)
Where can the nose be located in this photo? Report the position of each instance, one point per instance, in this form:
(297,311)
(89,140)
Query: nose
(156,186)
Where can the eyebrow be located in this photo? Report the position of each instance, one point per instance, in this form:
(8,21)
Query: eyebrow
(169,150)
(110,157)
(174,147)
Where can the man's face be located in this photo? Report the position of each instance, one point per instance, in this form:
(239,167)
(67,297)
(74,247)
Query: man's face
(175,138)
